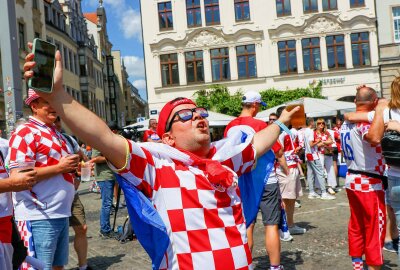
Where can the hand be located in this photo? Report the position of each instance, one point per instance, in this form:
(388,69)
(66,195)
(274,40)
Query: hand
(58,71)
(393,125)
(286,115)
(68,163)
(23,180)
(382,104)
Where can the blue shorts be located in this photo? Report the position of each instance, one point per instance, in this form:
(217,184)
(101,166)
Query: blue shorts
(50,238)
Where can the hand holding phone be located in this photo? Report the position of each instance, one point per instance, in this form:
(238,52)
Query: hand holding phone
(44,57)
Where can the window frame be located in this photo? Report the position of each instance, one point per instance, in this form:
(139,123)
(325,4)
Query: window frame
(21,35)
(329,5)
(359,43)
(193,9)
(311,48)
(163,14)
(194,61)
(309,3)
(220,58)
(335,46)
(287,50)
(357,3)
(169,63)
(247,55)
(242,3)
(212,5)
(283,8)
(394,19)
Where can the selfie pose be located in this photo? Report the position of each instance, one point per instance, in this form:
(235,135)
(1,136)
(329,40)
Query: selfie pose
(191,183)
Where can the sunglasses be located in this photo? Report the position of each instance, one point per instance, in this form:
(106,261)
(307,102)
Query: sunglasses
(272,119)
(186,115)
(321,123)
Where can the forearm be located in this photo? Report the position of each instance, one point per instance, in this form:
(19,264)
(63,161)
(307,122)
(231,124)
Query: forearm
(5,185)
(44,173)
(356,117)
(265,139)
(99,159)
(375,133)
(89,127)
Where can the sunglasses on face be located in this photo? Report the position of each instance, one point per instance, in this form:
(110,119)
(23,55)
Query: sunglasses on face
(272,119)
(186,115)
(321,124)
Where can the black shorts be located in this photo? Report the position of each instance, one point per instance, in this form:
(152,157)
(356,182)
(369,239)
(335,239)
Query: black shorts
(271,205)
(335,154)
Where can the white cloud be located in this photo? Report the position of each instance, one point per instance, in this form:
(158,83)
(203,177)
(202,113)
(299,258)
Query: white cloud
(130,24)
(134,66)
(139,84)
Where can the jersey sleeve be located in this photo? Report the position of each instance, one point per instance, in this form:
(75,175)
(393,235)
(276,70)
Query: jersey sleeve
(139,169)
(22,147)
(242,162)
(145,136)
(363,129)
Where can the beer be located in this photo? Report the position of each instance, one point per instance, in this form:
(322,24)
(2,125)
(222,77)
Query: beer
(299,118)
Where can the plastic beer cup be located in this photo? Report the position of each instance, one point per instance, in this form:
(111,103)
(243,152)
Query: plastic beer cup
(85,172)
(299,118)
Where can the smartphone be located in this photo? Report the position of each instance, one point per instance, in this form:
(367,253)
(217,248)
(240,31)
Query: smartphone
(42,79)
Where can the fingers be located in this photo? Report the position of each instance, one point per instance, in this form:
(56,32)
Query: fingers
(30,45)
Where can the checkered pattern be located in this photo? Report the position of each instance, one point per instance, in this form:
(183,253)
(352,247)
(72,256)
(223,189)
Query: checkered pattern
(206,227)
(324,137)
(382,220)
(31,96)
(358,265)
(288,147)
(359,182)
(25,230)
(36,141)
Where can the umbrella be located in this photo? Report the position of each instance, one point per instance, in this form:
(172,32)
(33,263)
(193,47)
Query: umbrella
(314,107)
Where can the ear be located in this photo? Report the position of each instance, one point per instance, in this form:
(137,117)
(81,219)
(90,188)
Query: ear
(168,139)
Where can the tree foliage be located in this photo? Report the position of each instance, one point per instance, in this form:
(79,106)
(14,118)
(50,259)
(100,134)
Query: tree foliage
(218,99)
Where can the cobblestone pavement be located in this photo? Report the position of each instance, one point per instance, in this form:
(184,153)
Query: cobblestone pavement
(324,246)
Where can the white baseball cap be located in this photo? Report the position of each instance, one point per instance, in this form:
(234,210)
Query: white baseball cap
(251,97)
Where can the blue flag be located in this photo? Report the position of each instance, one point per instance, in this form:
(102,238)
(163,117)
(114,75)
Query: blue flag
(252,184)
(146,222)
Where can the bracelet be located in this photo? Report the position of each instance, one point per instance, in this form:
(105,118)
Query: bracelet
(283,127)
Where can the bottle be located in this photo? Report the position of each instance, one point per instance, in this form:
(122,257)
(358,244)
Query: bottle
(283,226)
(299,118)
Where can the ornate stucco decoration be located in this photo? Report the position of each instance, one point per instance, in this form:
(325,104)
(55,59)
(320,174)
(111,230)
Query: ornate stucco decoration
(205,38)
(322,25)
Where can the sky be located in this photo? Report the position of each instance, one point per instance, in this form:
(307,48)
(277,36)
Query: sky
(124,32)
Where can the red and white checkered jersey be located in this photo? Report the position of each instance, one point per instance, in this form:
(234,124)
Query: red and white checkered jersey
(360,155)
(323,137)
(6,207)
(336,136)
(206,227)
(287,141)
(43,144)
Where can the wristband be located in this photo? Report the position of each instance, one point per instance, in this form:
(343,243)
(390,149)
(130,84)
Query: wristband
(283,127)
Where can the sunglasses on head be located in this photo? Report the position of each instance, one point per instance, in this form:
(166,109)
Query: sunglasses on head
(186,115)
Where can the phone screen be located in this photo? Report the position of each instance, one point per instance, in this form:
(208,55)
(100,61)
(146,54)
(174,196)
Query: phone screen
(43,71)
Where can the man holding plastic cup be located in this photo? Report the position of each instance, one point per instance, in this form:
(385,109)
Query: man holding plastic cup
(42,213)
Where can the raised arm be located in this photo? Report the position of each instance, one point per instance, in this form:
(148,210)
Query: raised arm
(265,139)
(83,123)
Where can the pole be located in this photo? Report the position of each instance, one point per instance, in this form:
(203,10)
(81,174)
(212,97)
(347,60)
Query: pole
(12,82)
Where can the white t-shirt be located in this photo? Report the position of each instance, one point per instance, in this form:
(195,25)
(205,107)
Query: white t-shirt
(312,151)
(359,154)
(332,133)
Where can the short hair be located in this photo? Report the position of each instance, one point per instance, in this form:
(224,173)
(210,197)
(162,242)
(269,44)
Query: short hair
(247,105)
(280,110)
(368,95)
(273,114)
(309,120)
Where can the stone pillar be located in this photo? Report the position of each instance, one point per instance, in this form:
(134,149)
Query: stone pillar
(347,48)
(207,66)
(373,43)
(233,63)
(182,68)
(323,51)
(299,56)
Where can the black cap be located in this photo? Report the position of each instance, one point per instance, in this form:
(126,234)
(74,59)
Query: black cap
(112,125)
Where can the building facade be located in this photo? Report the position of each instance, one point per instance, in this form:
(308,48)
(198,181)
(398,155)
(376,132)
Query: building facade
(257,44)
(388,16)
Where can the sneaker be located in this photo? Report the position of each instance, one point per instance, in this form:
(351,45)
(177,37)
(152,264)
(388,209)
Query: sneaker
(288,238)
(326,196)
(108,235)
(297,204)
(313,195)
(337,189)
(388,246)
(297,230)
(331,191)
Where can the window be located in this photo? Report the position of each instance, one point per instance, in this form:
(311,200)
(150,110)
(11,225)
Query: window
(212,12)
(194,66)
(242,10)
(357,3)
(396,21)
(193,13)
(329,5)
(169,69)
(35,4)
(287,56)
(246,61)
(310,6)
(335,52)
(311,54)
(360,49)
(283,8)
(66,62)
(165,16)
(220,64)
(46,13)
(21,35)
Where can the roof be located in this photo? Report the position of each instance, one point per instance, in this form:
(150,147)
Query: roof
(91,17)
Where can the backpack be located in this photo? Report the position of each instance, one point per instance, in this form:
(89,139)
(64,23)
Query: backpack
(125,232)
(391,146)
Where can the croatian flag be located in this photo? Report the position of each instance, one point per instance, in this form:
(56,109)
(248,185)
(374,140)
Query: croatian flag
(25,230)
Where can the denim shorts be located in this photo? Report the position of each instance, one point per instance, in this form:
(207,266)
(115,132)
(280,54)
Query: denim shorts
(50,238)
